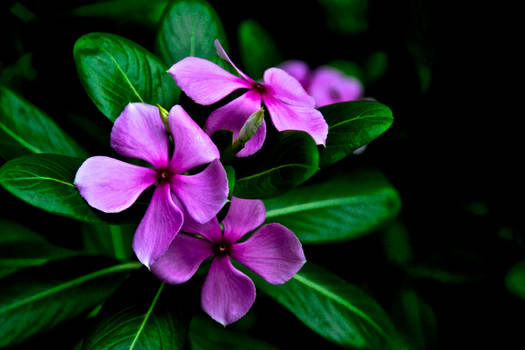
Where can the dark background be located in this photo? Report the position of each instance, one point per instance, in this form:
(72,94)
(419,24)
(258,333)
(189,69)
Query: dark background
(453,152)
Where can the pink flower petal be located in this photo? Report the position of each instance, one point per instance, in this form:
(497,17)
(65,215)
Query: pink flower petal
(243,216)
(233,115)
(273,252)
(193,147)
(158,227)
(299,70)
(331,86)
(203,194)
(222,54)
(227,293)
(210,230)
(140,133)
(285,88)
(288,117)
(111,185)
(182,259)
(204,81)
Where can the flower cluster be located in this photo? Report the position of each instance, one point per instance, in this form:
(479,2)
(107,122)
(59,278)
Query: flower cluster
(180,229)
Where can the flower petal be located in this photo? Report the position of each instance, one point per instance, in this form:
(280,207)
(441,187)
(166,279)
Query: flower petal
(273,252)
(210,230)
(203,194)
(227,293)
(222,54)
(193,147)
(331,86)
(233,115)
(182,259)
(204,81)
(299,70)
(243,216)
(140,133)
(111,185)
(158,227)
(288,117)
(285,88)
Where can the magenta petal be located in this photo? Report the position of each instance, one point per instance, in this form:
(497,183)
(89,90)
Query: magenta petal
(203,194)
(222,54)
(299,70)
(182,259)
(243,216)
(233,115)
(288,117)
(204,81)
(140,133)
(158,227)
(111,185)
(227,293)
(273,252)
(285,88)
(193,147)
(331,86)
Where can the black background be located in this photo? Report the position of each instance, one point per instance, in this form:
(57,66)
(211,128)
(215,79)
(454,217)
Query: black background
(452,148)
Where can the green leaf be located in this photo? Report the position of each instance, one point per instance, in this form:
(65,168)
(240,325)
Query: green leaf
(257,48)
(285,164)
(207,334)
(345,206)
(21,247)
(140,316)
(116,71)
(46,181)
(230,174)
(189,28)
(147,12)
(109,240)
(333,308)
(25,129)
(36,299)
(352,125)
(515,279)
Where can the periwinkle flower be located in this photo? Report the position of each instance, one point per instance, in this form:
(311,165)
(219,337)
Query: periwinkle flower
(325,84)
(111,185)
(289,106)
(273,252)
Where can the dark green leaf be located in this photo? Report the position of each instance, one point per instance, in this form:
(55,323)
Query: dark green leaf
(115,71)
(21,247)
(352,125)
(36,299)
(515,279)
(206,334)
(109,240)
(344,207)
(46,181)
(376,66)
(189,28)
(140,316)
(333,308)
(230,174)
(258,50)
(25,129)
(147,12)
(285,164)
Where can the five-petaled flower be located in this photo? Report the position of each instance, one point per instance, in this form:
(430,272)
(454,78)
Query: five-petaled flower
(111,185)
(325,84)
(273,252)
(289,106)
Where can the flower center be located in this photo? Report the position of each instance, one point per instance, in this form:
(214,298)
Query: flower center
(334,94)
(260,88)
(222,248)
(164,175)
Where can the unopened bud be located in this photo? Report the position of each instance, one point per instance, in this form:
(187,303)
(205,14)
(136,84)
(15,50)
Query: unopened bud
(164,116)
(249,129)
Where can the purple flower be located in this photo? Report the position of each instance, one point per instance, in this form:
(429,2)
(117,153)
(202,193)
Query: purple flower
(111,185)
(326,85)
(273,252)
(289,106)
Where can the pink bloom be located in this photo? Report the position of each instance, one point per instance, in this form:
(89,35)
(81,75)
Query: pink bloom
(111,185)
(326,85)
(273,252)
(289,106)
